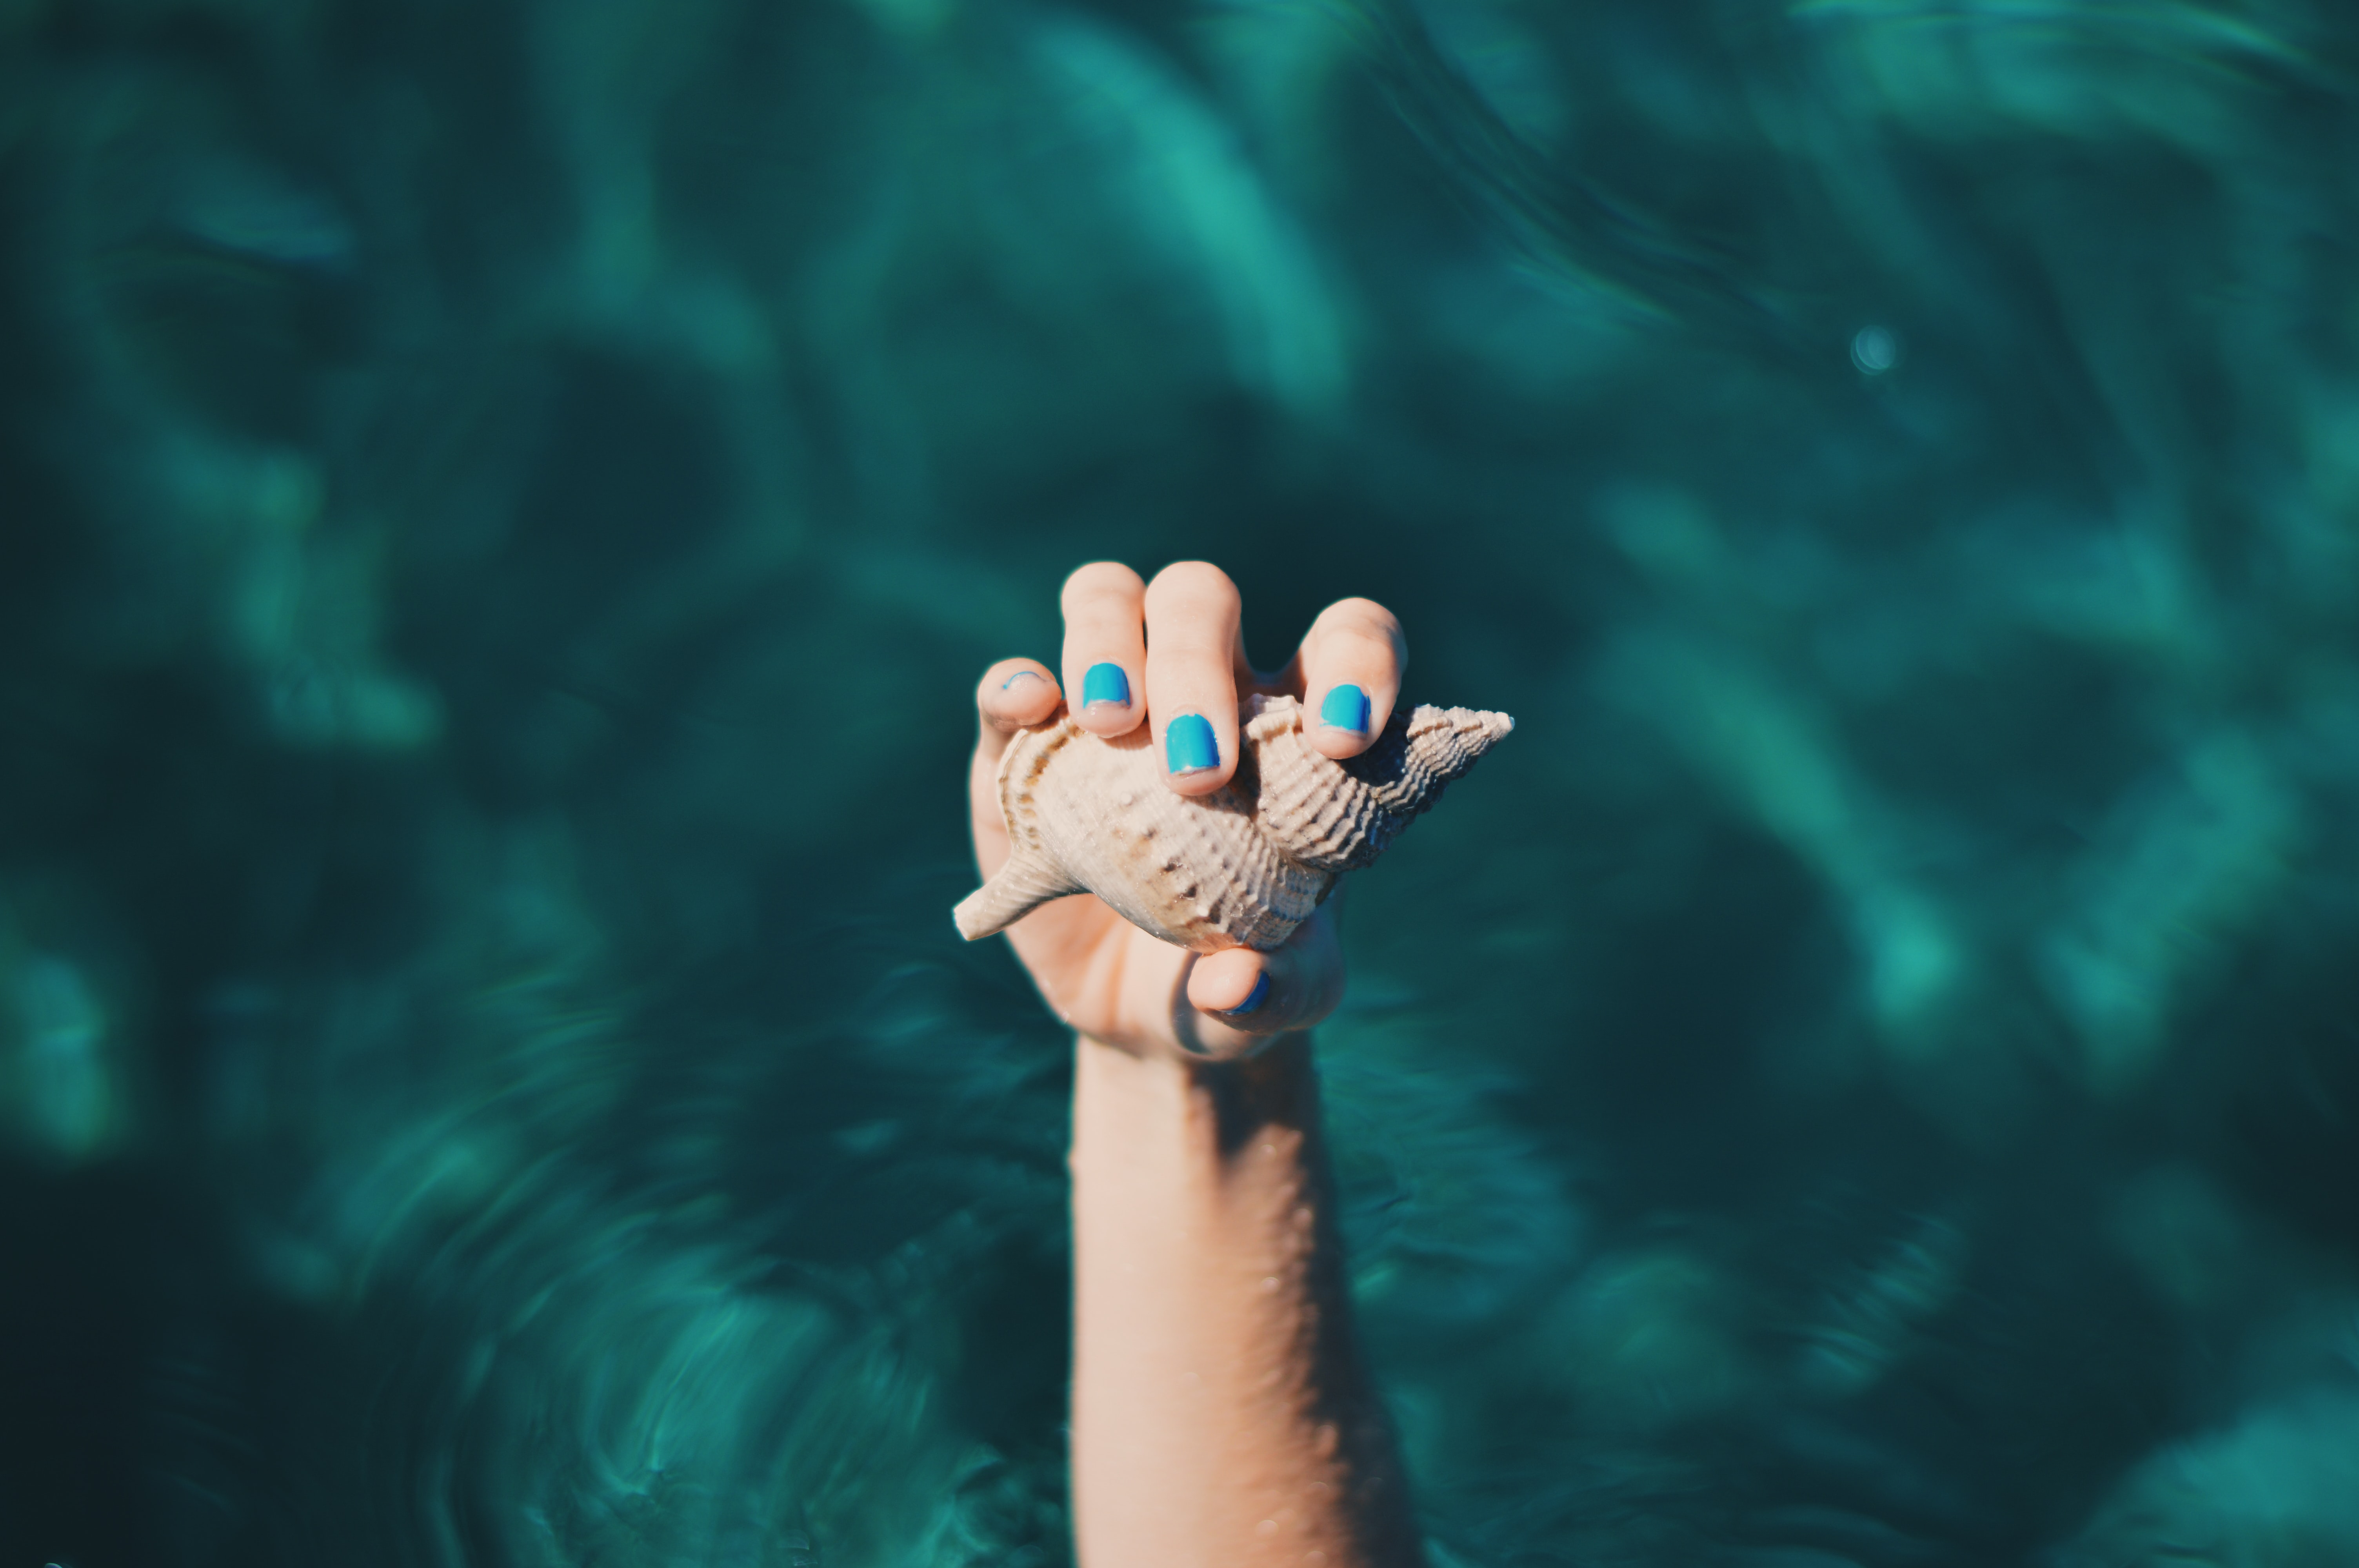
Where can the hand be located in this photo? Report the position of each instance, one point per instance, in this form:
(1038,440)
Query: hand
(1179,652)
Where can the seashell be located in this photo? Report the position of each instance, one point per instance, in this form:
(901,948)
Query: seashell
(1241,867)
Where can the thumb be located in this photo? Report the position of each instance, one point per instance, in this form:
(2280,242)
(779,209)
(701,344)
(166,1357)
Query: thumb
(1237,1001)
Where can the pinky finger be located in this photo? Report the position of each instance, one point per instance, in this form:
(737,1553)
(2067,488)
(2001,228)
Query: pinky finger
(1014,694)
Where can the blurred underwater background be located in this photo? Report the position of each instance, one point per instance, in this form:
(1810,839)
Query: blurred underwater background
(501,507)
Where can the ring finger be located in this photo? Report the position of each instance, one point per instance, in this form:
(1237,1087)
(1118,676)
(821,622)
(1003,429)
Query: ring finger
(1105,648)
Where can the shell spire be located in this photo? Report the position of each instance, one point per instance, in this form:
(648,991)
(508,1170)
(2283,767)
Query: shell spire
(1240,867)
(1339,817)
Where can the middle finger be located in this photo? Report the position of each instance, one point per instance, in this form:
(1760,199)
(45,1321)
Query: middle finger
(1193,654)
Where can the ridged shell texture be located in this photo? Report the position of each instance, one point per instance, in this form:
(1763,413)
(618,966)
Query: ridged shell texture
(1241,867)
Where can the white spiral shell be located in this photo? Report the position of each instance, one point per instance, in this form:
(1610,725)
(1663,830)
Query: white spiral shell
(1241,867)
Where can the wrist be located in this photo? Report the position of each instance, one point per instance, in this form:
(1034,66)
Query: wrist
(1277,1083)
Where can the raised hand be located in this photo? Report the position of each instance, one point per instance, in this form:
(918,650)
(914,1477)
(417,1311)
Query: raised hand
(1170,653)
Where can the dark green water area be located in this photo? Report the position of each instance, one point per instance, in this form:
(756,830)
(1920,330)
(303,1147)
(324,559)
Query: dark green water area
(503,503)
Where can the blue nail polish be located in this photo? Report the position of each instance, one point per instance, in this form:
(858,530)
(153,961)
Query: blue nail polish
(1254,998)
(1105,683)
(1019,675)
(1346,708)
(1189,744)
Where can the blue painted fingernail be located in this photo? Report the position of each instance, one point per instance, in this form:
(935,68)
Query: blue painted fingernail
(1346,708)
(1019,675)
(1105,683)
(1190,745)
(1254,998)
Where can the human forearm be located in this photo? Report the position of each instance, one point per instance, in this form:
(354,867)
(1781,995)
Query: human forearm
(1221,1415)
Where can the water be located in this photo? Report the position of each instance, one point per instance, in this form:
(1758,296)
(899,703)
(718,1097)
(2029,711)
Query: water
(504,504)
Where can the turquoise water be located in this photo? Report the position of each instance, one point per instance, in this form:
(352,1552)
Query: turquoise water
(501,507)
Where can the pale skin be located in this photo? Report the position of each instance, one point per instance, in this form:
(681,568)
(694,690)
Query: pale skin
(1222,1417)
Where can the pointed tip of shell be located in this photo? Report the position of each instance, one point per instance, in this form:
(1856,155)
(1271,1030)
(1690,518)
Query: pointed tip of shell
(1339,815)
(1480,730)
(1477,729)
(1453,738)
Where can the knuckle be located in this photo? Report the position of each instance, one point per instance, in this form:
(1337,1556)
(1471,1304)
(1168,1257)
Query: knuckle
(1194,585)
(1101,580)
(1362,618)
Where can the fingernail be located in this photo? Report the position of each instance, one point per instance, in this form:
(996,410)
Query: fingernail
(1190,745)
(1019,675)
(1107,683)
(1346,708)
(1254,998)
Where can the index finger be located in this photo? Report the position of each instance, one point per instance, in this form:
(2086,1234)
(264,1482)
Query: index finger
(1348,676)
